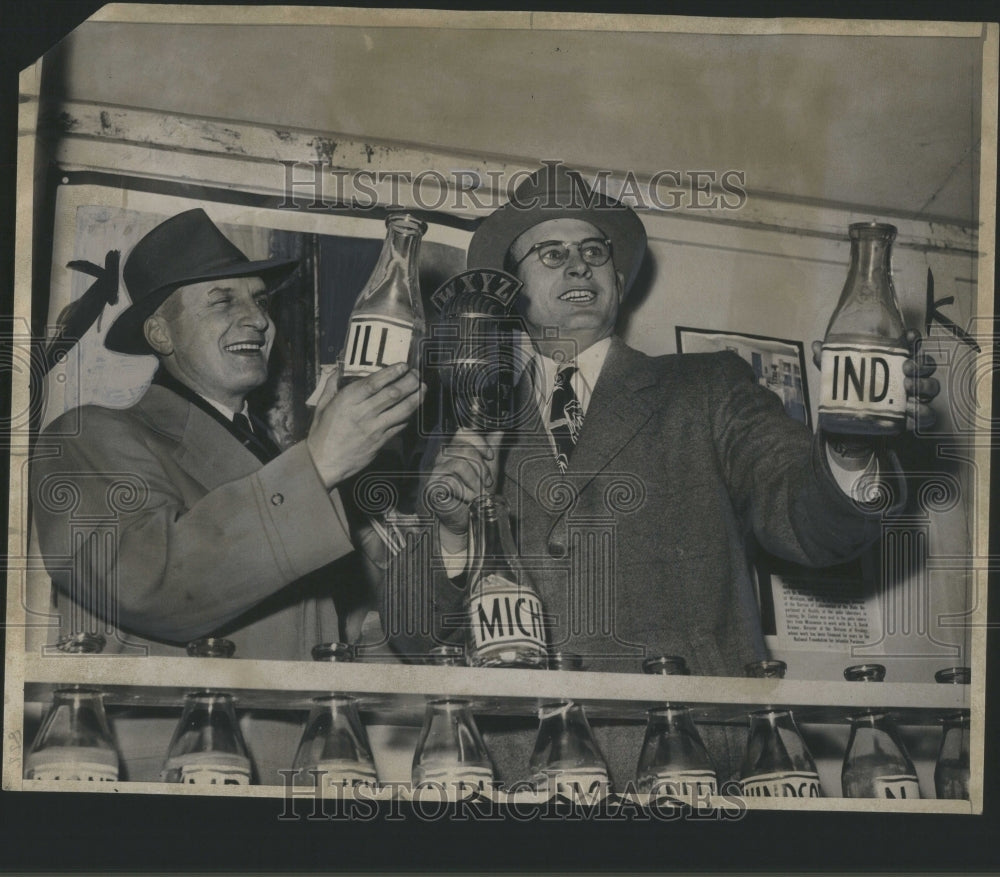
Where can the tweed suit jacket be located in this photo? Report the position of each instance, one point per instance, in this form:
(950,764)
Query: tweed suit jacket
(156,520)
(683,466)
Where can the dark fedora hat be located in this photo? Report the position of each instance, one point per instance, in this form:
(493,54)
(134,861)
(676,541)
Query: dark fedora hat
(187,248)
(556,192)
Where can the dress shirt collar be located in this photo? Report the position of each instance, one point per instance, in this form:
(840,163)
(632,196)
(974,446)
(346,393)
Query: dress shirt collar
(228,412)
(589,364)
(165,379)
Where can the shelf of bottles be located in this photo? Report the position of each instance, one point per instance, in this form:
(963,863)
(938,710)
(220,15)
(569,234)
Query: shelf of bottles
(207,694)
(398,693)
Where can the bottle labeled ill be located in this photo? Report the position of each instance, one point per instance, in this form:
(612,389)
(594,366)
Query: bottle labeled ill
(876,764)
(862,390)
(387,322)
(505,620)
(74,741)
(777,763)
(673,762)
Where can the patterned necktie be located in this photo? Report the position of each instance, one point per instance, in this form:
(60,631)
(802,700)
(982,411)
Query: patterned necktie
(565,417)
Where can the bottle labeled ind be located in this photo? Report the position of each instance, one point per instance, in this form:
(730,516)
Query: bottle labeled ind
(674,762)
(506,623)
(777,763)
(387,322)
(74,741)
(862,390)
(876,764)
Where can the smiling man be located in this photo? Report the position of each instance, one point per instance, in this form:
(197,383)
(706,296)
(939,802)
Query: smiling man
(639,486)
(183,519)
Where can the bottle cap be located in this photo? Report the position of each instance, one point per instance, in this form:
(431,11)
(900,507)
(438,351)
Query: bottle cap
(871,229)
(408,220)
(447,656)
(954,675)
(766,669)
(333,652)
(211,647)
(666,665)
(89,643)
(865,673)
(565,661)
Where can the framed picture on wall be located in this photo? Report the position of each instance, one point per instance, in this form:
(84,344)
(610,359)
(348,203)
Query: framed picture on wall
(779,364)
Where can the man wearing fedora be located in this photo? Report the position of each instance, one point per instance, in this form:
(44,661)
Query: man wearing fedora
(638,486)
(178,518)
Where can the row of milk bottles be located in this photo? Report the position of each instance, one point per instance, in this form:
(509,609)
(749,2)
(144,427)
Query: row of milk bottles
(75,742)
(876,764)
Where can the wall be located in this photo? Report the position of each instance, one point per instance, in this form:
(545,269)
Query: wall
(809,117)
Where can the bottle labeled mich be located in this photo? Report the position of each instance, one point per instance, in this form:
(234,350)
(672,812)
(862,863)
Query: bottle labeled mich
(504,617)
(862,382)
(387,322)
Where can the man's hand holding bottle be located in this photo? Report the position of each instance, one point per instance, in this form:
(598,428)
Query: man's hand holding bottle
(465,468)
(350,426)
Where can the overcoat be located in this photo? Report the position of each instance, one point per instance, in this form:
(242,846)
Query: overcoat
(158,522)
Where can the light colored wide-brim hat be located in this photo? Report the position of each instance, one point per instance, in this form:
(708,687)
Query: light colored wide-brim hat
(187,248)
(556,192)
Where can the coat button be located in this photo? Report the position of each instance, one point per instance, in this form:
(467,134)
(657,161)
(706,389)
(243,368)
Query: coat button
(277,499)
(557,549)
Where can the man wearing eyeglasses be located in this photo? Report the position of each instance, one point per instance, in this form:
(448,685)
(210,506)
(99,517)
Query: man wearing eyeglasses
(638,486)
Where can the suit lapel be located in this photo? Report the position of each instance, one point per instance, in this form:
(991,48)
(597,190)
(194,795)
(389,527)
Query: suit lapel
(529,440)
(617,411)
(206,450)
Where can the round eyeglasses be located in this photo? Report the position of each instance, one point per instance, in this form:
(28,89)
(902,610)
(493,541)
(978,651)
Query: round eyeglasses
(554,254)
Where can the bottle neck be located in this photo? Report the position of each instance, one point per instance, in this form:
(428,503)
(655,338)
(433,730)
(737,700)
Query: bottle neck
(398,262)
(871,719)
(775,718)
(209,701)
(492,541)
(672,717)
(870,259)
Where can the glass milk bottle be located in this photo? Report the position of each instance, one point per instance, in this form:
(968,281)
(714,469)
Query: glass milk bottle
(673,761)
(777,763)
(387,323)
(862,391)
(74,741)
(876,764)
(951,772)
(450,751)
